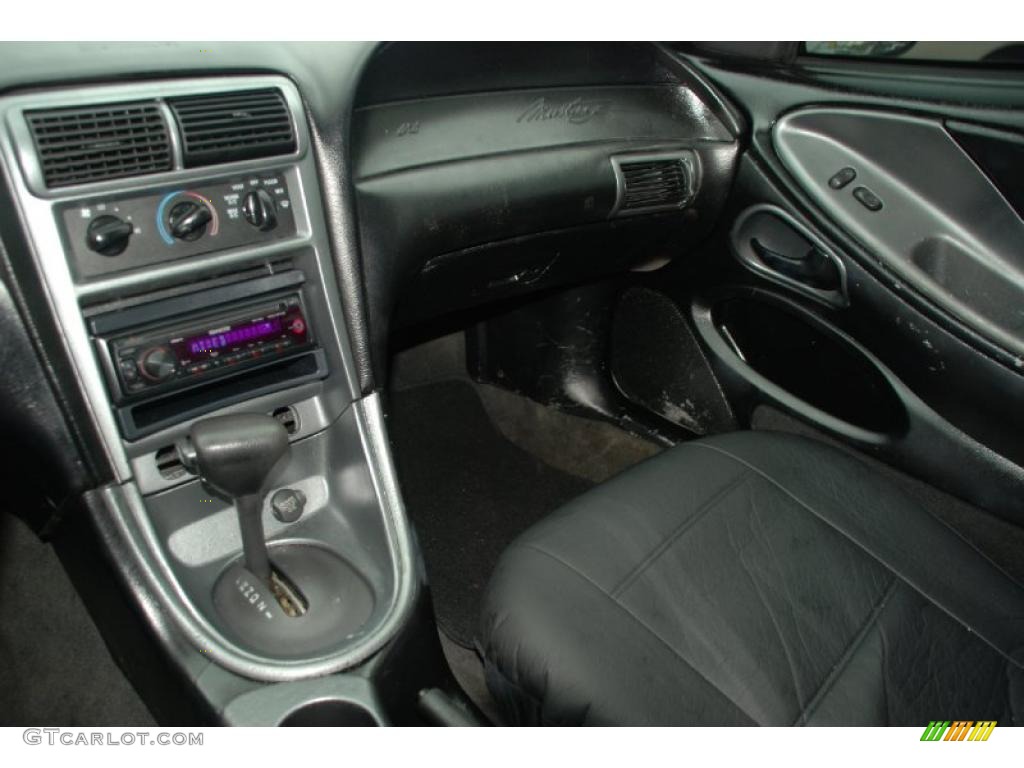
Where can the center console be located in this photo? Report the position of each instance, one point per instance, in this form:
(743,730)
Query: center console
(177,230)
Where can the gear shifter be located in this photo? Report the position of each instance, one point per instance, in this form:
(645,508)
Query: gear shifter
(309,596)
(235,455)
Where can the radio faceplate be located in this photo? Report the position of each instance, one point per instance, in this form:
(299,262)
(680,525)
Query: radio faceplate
(170,357)
(175,357)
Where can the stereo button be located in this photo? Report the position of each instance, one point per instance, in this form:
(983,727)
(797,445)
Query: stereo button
(129,370)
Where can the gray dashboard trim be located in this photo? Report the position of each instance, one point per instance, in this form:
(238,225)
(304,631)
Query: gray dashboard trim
(139,538)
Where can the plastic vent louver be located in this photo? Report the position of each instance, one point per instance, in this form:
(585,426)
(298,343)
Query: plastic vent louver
(654,184)
(81,144)
(241,125)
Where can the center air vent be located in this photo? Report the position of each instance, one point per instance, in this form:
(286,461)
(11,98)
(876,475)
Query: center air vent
(83,144)
(656,183)
(241,125)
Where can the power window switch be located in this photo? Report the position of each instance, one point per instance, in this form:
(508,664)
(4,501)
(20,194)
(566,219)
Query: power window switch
(842,178)
(867,198)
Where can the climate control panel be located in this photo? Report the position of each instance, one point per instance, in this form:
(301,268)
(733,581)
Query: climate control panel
(125,232)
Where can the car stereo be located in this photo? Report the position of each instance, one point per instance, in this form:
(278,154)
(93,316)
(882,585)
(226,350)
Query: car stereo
(191,351)
(169,359)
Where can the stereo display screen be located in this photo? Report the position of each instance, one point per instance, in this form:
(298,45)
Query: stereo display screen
(253,331)
(245,338)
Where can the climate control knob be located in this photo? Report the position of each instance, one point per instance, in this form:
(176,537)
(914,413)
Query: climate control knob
(260,210)
(158,364)
(108,235)
(188,219)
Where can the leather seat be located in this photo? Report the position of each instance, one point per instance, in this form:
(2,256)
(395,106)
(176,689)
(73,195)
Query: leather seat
(751,578)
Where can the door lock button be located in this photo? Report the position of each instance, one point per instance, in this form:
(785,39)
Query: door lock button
(842,178)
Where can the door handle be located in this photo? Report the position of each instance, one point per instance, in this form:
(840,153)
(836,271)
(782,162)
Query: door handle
(812,268)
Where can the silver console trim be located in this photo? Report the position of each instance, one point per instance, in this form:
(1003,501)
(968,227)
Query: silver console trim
(38,218)
(131,519)
(177,151)
(143,562)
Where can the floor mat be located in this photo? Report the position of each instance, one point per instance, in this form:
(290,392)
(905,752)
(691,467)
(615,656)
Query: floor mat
(57,670)
(468,490)
(587,448)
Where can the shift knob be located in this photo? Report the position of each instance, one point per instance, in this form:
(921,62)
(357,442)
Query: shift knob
(236,454)
(235,457)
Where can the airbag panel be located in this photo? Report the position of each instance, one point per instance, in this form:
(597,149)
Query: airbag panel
(392,137)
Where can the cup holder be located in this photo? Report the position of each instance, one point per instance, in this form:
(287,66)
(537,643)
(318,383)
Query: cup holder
(330,713)
(799,360)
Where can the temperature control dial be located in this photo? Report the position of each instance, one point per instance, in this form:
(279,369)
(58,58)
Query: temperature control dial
(188,219)
(158,363)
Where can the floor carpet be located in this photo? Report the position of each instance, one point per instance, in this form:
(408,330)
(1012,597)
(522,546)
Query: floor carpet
(468,490)
(57,670)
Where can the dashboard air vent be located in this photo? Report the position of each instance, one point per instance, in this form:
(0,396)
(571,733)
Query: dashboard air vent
(223,127)
(81,144)
(651,184)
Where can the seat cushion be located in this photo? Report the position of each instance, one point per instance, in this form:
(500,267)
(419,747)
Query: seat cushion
(751,578)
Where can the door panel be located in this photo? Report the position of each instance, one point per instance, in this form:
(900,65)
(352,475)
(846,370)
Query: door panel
(938,223)
(999,154)
(770,241)
(934,279)
(953,427)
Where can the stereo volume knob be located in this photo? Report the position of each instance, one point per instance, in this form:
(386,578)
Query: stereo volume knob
(259,210)
(187,220)
(158,364)
(108,235)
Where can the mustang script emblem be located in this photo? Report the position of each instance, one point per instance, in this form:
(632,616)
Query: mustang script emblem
(576,110)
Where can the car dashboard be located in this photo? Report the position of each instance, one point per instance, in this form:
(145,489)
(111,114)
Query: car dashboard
(303,341)
(187,239)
